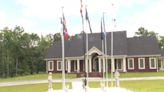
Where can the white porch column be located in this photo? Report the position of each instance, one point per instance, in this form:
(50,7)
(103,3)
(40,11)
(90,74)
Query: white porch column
(69,65)
(103,64)
(99,64)
(157,65)
(112,65)
(78,66)
(124,64)
(162,64)
(90,64)
(86,65)
(47,66)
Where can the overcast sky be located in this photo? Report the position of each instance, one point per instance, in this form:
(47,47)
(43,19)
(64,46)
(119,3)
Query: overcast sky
(43,16)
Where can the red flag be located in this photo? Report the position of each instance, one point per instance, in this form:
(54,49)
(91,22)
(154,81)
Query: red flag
(63,22)
(81,8)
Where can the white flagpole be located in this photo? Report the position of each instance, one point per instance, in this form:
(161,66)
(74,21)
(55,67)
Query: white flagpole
(102,44)
(105,43)
(87,57)
(103,61)
(112,61)
(63,65)
(86,61)
(112,58)
(63,60)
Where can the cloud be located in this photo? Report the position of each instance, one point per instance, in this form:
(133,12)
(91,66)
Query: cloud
(50,9)
(152,19)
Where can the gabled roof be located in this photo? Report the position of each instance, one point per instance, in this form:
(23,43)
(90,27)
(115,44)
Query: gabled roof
(143,45)
(121,45)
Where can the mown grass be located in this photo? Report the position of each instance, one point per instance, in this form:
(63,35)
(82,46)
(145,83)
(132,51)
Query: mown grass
(141,74)
(71,76)
(135,86)
(144,85)
(37,77)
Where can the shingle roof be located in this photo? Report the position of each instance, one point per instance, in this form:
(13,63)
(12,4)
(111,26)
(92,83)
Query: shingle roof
(143,45)
(162,52)
(121,45)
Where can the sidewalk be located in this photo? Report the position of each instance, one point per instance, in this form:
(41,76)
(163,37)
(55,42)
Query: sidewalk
(77,79)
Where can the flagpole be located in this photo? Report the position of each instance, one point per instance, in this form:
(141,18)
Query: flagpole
(63,65)
(63,56)
(84,43)
(87,57)
(102,47)
(87,52)
(112,62)
(105,51)
(112,57)
(103,61)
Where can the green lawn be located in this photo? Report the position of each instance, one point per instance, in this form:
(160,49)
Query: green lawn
(141,74)
(70,76)
(135,86)
(37,77)
(144,86)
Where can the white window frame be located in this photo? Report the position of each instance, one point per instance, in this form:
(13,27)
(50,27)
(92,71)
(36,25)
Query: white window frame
(49,63)
(129,59)
(139,61)
(155,63)
(58,69)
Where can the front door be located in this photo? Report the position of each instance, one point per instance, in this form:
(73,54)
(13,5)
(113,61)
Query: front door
(95,64)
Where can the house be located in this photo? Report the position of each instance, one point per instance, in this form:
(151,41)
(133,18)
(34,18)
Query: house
(135,54)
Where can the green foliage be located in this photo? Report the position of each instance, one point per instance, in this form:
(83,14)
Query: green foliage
(161,42)
(144,32)
(22,53)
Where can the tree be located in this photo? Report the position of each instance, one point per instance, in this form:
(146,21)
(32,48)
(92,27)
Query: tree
(144,32)
(22,53)
(161,42)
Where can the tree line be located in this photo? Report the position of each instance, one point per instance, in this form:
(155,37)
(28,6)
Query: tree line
(22,53)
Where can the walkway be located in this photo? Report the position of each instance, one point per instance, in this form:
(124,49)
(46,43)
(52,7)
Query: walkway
(77,79)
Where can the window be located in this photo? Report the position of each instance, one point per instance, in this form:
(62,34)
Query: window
(152,63)
(59,65)
(130,63)
(118,64)
(50,65)
(141,63)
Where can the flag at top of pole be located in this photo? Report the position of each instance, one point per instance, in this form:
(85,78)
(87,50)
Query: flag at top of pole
(63,22)
(81,13)
(87,19)
(81,8)
(103,31)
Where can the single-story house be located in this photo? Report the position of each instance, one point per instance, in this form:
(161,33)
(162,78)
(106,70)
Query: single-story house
(130,54)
